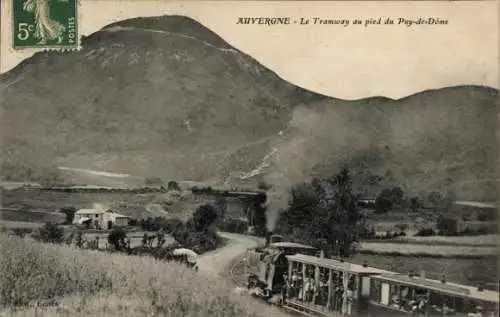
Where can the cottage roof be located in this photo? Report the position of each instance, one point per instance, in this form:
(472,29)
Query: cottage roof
(91,211)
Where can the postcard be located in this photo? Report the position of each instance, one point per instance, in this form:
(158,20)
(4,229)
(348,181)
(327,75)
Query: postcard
(249,158)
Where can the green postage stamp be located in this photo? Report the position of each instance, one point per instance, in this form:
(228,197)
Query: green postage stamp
(45,24)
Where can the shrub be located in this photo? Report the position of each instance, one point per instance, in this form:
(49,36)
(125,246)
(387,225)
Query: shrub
(402,226)
(117,238)
(170,225)
(50,233)
(203,217)
(449,226)
(198,241)
(70,214)
(425,232)
(133,222)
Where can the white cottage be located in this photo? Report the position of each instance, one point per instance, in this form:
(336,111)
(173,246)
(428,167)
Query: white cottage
(100,218)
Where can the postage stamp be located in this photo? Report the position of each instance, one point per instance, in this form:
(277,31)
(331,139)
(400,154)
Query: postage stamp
(45,24)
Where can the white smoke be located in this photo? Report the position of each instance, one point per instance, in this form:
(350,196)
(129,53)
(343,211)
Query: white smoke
(156,209)
(313,137)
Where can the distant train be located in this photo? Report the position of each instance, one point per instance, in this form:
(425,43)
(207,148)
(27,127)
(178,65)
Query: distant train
(299,278)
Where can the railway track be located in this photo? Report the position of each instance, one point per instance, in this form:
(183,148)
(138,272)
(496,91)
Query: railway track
(237,273)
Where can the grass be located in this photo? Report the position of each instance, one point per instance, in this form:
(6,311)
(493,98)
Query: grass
(427,249)
(490,240)
(130,204)
(93,283)
(6,224)
(467,271)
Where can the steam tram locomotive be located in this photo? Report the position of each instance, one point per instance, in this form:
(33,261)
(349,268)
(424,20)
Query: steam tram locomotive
(295,277)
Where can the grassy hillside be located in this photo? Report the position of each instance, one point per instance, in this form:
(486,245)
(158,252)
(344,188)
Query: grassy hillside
(167,97)
(41,206)
(91,283)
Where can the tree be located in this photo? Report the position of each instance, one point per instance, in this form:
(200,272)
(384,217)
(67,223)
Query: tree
(383,201)
(388,198)
(434,198)
(79,239)
(174,186)
(51,233)
(203,217)
(117,238)
(343,214)
(397,195)
(70,214)
(324,213)
(415,204)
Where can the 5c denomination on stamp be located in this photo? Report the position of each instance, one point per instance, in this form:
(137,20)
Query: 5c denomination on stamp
(45,24)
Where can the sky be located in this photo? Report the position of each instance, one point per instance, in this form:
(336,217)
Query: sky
(348,62)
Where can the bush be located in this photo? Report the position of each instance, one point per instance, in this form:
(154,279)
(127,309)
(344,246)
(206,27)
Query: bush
(204,217)
(402,226)
(70,214)
(50,233)
(134,222)
(384,201)
(425,232)
(449,226)
(198,241)
(117,238)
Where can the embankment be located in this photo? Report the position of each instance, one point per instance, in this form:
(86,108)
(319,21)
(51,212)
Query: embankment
(91,283)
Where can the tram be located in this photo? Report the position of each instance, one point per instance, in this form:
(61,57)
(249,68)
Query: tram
(327,287)
(296,278)
(409,295)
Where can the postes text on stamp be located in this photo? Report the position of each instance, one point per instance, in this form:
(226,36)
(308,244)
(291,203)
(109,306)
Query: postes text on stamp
(45,24)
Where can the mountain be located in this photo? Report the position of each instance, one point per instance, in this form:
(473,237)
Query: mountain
(167,97)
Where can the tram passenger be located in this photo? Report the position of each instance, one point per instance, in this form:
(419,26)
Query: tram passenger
(478,313)
(309,289)
(294,284)
(323,290)
(350,298)
(336,284)
(285,287)
(339,298)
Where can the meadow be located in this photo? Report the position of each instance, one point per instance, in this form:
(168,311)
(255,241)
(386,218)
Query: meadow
(52,280)
(466,271)
(40,206)
(430,249)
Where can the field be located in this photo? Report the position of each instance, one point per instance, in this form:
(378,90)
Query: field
(30,215)
(463,271)
(490,240)
(93,283)
(42,205)
(427,248)
(19,224)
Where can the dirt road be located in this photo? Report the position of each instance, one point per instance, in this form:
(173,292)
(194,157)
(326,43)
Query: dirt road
(219,261)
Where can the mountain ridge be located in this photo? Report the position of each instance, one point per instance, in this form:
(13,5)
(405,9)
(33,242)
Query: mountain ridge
(154,104)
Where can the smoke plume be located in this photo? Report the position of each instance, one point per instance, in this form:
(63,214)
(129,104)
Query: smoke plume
(313,137)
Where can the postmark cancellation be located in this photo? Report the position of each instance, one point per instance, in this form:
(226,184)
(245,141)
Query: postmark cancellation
(45,24)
